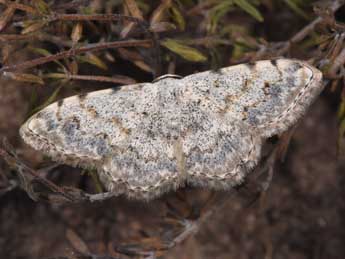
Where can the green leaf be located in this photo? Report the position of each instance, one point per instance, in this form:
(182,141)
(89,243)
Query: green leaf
(217,13)
(29,78)
(238,51)
(55,75)
(341,111)
(42,6)
(93,60)
(294,6)
(45,53)
(178,18)
(96,181)
(186,52)
(77,32)
(30,27)
(86,10)
(249,8)
(50,99)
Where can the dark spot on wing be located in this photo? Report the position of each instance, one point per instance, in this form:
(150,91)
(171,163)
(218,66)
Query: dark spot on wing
(290,81)
(76,121)
(101,146)
(70,127)
(253,116)
(93,112)
(60,102)
(274,62)
(294,67)
(39,115)
(114,90)
(51,125)
(251,65)
(82,97)
(246,83)
(267,88)
(140,86)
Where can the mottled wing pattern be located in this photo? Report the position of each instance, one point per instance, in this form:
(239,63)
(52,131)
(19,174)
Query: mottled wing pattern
(143,140)
(205,129)
(269,96)
(114,131)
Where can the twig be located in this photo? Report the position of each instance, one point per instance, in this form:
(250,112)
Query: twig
(28,175)
(337,63)
(22,7)
(73,52)
(6,16)
(96,17)
(145,26)
(115,79)
(12,160)
(299,36)
(75,4)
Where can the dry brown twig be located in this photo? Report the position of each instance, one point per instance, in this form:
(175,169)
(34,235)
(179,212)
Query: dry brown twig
(54,16)
(28,177)
(72,52)
(284,47)
(337,64)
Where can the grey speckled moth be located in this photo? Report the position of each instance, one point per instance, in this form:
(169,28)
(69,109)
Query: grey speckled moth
(205,129)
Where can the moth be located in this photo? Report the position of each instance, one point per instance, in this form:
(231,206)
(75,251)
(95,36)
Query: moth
(205,129)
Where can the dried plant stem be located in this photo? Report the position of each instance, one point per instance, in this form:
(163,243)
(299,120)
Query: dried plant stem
(6,17)
(76,51)
(145,26)
(337,63)
(114,79)
(193,226)
(308,29)
(27,175)
(23,170)
(18,6)
(95,17)
(7,38)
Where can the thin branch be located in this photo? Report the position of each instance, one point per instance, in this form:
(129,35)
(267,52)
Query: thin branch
(72,52)
(338,62)
(299,36)
(6,16)
(115,79)
(145,26)
(18,6)
(28,175)
(96,17)
(12,160)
